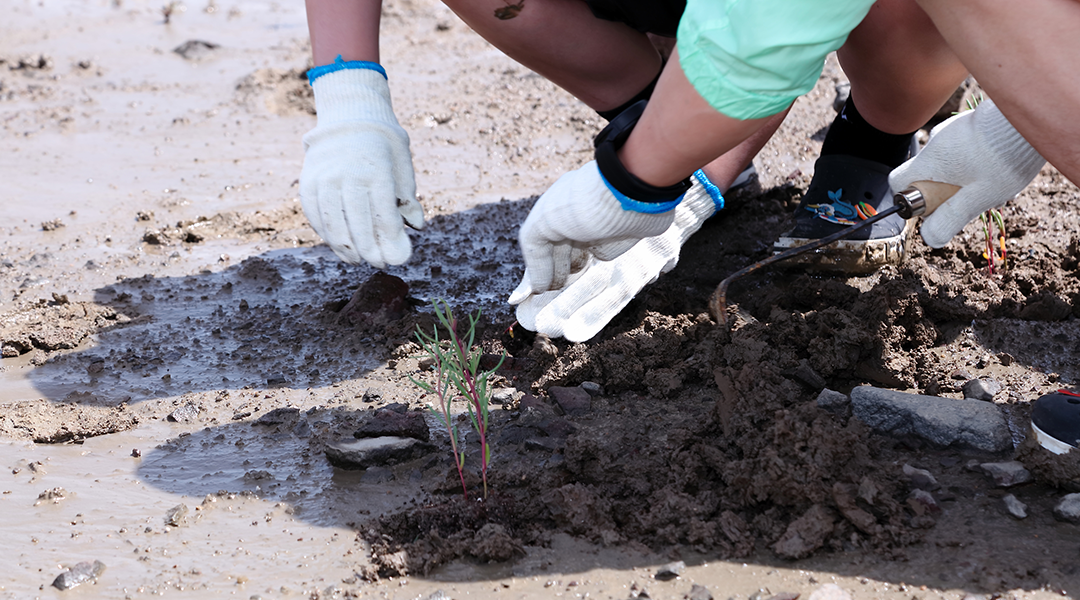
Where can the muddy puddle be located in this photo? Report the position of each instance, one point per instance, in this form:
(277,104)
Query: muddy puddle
(179,349)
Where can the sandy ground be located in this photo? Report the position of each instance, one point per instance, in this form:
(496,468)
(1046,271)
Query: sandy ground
(161,292)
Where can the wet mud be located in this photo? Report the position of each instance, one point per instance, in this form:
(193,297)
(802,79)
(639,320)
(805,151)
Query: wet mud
(180,351)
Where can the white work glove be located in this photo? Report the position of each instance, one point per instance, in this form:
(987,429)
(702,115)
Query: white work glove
(594,295)
(357,183)
(982,153)
(577,219)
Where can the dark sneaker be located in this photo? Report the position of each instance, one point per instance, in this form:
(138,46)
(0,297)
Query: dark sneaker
(1055,421)
(844,191)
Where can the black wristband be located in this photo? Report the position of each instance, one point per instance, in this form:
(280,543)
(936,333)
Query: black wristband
(607,144)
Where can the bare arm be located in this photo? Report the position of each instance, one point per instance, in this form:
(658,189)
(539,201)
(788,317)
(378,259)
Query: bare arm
(1025,55)
(346,27)
(679,132)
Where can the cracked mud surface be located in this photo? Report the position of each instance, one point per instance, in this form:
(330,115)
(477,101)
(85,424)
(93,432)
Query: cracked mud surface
(174,333)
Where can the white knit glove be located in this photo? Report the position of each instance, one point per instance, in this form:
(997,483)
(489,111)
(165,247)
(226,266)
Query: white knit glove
(578,219)
(357,183)
(596,294)
(982,153)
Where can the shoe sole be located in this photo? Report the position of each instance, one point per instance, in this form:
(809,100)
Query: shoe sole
(853,257)
(1050,442)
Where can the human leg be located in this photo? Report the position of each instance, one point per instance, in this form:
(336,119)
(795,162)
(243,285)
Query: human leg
(901,72)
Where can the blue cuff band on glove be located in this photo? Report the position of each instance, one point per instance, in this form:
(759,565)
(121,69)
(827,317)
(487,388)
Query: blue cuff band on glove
(714,192)
(340,64)
(649,208)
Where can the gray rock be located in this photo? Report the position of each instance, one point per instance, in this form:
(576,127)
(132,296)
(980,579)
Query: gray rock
(830,591)
(834,402)
(670,570)
(922,502)
(1007,474)
(176,516)
(374,452)
(81,573)
(593,388)
(185,414)
(698,592)
(1068,509)
(505,395)
(195,49)
(1015,507)
(806,375)
(940,421)
(920,478)
(573,400)
(982,389)
(278,416)
(371,396)
(843,92)
(390,423)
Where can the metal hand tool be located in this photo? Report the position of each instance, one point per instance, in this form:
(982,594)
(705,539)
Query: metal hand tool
(921,199)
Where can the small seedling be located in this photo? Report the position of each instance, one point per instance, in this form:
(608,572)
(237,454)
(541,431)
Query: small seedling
(458,375)
(991,218)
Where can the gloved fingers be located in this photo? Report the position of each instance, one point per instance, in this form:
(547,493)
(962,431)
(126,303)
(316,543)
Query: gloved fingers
(955,213)
(582,310)
(612,249)
(337,231)
(561,265)
(405,183)
(374,221)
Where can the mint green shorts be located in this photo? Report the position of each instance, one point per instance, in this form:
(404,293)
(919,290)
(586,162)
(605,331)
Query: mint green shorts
(752,58)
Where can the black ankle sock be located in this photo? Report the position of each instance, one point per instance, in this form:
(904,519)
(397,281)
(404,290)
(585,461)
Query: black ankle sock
(850,134)
(644,94)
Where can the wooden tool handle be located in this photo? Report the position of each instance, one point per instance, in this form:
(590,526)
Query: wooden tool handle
(935,193)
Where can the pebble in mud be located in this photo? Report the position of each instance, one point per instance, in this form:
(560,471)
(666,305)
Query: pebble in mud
(53,496)
(393,423)
(698,592)
(81,573)
(830,591)
(940,421)
(1007,474)
(574,401)
(670,571)
(371,452)
(1015,508)
(834,402)
(185,414)
(982,389)
(920,478)
(1068,509)
(176,516)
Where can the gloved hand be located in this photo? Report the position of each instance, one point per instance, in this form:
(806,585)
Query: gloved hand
(982,153)
(357,182)
(595,294)
(577,219)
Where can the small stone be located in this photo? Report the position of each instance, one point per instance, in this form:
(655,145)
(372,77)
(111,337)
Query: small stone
(981,389)
(592,388)
(54,496)
(505,396)
(371,452)
(670,571)
(136,453)
(1007,474)
(834,402)
(573,400)
(184,414)
(843,92)
(922,502)
(1068,509)
(426,363)
(176,516)
(940,421)
(920,478)
(81,573)
(806,375)
(278,416)
(276,381)
(698,592)
(1015,507)
(392,423)
(371,396)
(195,49)
(1005,358)
(961,375)
(830,591)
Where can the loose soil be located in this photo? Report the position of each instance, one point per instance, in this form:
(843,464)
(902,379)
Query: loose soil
(173,333)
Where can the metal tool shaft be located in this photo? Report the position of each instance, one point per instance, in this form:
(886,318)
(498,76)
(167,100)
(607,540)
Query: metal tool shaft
(718,301)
